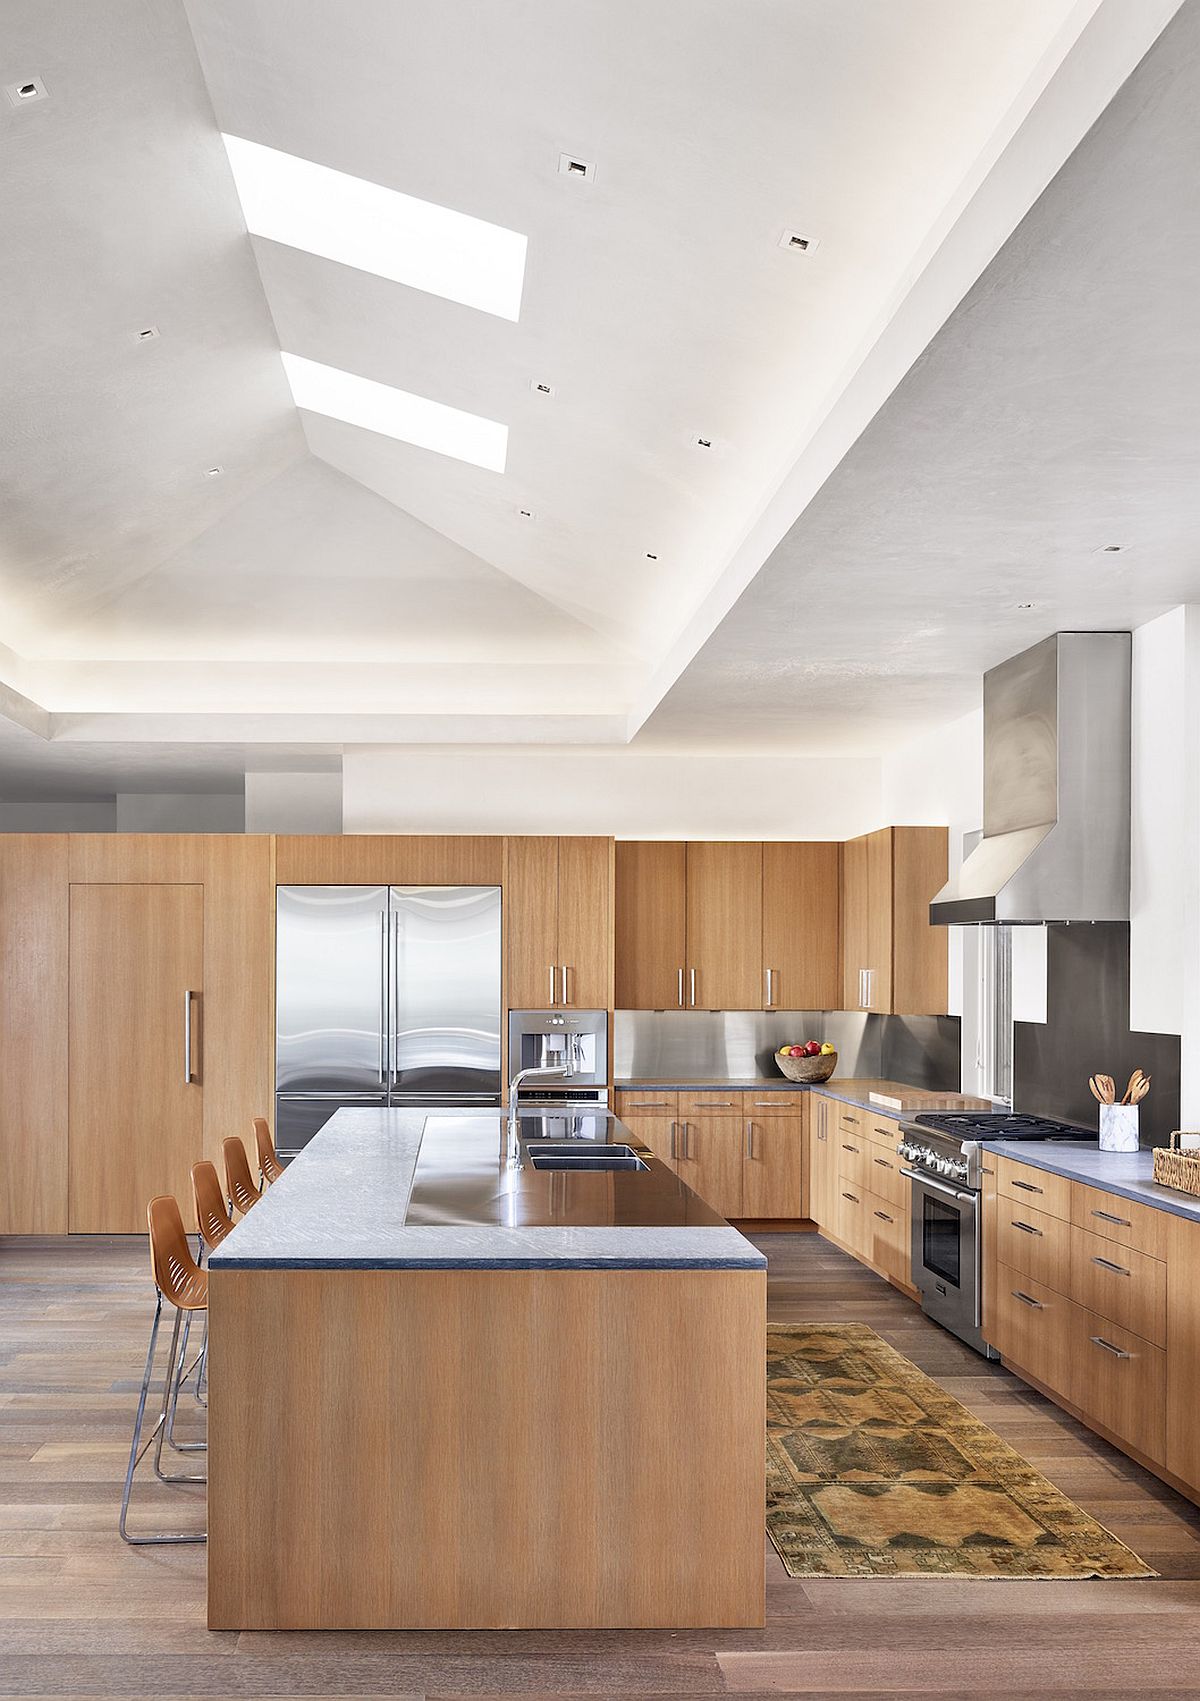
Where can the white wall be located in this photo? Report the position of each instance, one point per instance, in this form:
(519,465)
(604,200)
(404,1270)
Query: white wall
(627,790)
(180,812)
(68,815)
(294,803)
(1160,852)
(937,781)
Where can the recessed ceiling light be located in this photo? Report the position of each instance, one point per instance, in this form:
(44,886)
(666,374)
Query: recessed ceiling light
(700,440)
(570,165)
(650,557)
(26,92)
(798,242)
(213,472)
(1027,605)
(147,334)
(540,388)
(527,513)
(1110,549)
(378,230)
(396,413)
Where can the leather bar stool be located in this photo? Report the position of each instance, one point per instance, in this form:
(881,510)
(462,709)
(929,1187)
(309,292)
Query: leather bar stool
(239,1183)
(269,1166)
(180,1281)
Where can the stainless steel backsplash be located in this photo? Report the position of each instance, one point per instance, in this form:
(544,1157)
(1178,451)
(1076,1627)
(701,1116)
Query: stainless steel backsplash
(922,1051)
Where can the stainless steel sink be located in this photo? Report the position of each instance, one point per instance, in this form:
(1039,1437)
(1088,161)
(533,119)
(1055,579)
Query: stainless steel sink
(573,1155)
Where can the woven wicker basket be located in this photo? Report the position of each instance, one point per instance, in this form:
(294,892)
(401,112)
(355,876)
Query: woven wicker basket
(1180,1170)
(807,1068)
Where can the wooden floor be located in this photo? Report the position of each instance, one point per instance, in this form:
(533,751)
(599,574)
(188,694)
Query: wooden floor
(83,1615)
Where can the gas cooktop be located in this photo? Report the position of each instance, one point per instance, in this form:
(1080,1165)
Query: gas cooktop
(997,1125)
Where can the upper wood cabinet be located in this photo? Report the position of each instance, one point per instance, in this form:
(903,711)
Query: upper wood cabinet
(558,922)
(894,962)
(724,926)
(801,926)
(700,925)
(651,924)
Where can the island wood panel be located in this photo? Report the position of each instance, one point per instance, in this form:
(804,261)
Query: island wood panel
(651,925)
(920,952)
(33,1029)
(488,1449)
(136,1116)
(585,922)
(531,920)
(801,925)
(724,925)
(381,859)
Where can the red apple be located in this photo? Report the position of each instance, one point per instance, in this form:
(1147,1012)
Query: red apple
(813,1048)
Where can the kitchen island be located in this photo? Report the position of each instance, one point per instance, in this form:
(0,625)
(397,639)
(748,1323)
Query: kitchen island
(453,1388)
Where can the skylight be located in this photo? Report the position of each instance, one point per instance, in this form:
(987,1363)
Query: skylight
(396,413)
(361,224)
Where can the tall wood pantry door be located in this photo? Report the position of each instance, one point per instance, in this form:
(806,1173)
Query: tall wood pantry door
(135,1121)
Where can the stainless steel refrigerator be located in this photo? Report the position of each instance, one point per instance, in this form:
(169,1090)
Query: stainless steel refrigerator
(384,995)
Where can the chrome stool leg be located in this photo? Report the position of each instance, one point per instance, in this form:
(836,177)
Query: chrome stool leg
(170,1400)
(183,1379)
(136,1455)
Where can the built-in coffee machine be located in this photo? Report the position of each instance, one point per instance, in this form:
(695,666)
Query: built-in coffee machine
(572,1040)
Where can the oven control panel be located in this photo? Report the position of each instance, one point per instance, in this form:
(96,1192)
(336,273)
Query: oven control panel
(954,1168)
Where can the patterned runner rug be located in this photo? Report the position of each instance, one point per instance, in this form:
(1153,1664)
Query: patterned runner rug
(874,1471)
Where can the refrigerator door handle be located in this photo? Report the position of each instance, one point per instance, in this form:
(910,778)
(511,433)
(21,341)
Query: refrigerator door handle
(383,996)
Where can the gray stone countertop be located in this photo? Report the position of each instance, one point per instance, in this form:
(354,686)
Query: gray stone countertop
(905,1100)
(1128,1174)
(342,1203)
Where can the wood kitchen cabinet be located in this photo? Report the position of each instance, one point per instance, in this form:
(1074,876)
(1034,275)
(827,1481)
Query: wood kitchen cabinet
(152,918)
(801,926)
(651,924)
(709,1158)
(558,922)
(135,1058)
(773,1167)
(724,926)
(893,960)
(822,1162)
(742,1152)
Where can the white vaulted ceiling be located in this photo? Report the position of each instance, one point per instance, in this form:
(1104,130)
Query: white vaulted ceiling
(329,568)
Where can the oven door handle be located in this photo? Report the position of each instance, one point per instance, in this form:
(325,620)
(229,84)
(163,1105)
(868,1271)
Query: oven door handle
(940,1187)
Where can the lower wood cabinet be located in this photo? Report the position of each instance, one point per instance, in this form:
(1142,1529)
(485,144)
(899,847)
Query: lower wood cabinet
(743,1153)
(1032,1327)
(822,1162)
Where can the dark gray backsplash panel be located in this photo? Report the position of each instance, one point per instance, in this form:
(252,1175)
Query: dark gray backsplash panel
(922,1051)
(1087,1032)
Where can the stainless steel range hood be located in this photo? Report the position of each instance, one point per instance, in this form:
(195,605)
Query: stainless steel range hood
(1056,731)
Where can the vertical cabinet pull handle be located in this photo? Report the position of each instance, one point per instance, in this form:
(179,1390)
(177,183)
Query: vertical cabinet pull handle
(770,1000)
(681,989)
(566,997)
(187,1039)
(674,1139)
(693,975)
(749,1139)
(553,1000)
(687,1139)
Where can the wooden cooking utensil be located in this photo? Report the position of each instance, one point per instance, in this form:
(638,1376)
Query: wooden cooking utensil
(1132,1087)
(1108,1088)
(1096,1093)
(1140,1091)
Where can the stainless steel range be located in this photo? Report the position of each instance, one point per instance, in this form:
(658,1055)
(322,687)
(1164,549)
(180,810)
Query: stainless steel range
(944,1151)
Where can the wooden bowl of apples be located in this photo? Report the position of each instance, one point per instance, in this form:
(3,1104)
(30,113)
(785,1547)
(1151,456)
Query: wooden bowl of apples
(809,1062)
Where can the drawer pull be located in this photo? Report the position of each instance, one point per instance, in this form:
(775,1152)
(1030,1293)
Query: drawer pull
(853,1197)
(769,1104)
(1028,1187)
(1107,1264)
(715,1104)
(847,1148)
(1099,1341)
(1107,1217)
(884,1164)
(648,1104)
(846,1117)
(1027,1299)
(884,1218)
(1026,1228)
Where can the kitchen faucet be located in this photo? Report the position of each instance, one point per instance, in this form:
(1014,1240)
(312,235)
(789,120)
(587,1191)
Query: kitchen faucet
(541,1072)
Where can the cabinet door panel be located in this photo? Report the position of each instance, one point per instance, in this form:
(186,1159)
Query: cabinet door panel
(772,1177)
(1121,1382)
(711,1161)
(724,925)
(651,925)
(822,1163)
(879,920)
(920,952)
(135,1122)
(855,930)
(585,951)
(531,921)
(801,927)
(659,1133)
